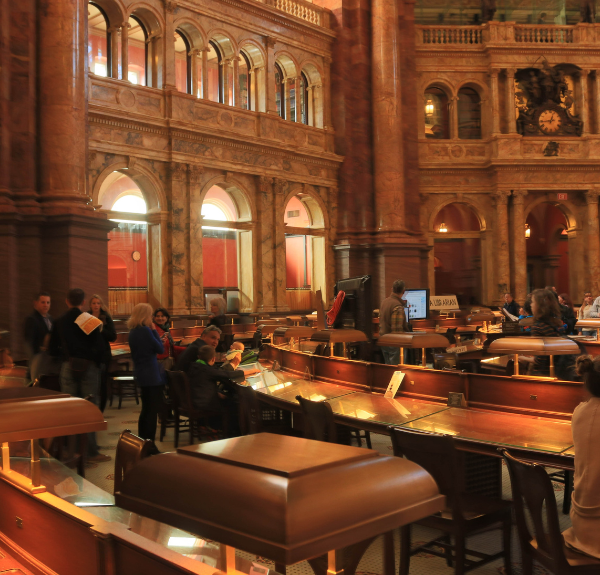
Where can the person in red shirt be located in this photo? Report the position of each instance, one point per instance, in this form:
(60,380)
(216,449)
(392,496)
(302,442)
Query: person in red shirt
(162,324)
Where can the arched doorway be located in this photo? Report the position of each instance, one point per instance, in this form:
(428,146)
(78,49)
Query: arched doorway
(128,243)
(227,249)
(457,253)
(547,249)
(304,251)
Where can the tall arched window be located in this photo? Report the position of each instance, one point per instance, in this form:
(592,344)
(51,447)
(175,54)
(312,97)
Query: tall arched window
(127,245)
(244,82)
(279,91)
(183,65)
(469,114)
(99,55)
(215,77)
(137,52)
(437,124)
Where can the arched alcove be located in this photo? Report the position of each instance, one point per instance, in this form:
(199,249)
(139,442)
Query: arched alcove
(437,113)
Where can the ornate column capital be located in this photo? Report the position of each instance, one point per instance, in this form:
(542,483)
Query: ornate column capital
(178,171)
(591,196)
(270,42)
(519,196)
(265,183)
(510,72)
(195,173)
(279,185)
(493,72)
(170,6)
(501,197)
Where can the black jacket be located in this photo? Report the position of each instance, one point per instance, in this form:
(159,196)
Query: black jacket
(512,307)
(204,384)
(35,331)
(69,340)
(189,356)
(109,334)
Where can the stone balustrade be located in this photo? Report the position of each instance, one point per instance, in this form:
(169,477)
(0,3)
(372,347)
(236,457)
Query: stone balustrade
(303,10)
(507,33)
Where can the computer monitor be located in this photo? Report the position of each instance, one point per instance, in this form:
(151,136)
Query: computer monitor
(418,303)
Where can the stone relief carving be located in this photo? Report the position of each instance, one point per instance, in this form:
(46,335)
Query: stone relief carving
(178,171)
(195,173)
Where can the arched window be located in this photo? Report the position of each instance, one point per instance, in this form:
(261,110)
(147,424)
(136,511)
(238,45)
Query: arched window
(128,245)
(99,55)
(469,114)
(215,77)
(279,91)
(245,98)
(183,63)
(437,123)
(137,52)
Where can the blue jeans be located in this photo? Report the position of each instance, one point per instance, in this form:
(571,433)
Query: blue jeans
(391,355)
(88,386)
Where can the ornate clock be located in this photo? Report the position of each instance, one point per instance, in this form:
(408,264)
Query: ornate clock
(550,122)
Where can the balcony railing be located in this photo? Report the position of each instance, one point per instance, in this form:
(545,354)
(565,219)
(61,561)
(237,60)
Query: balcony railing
(508,33)
(301,9)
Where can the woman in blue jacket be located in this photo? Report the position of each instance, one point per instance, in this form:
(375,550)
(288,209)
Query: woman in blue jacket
(145,344)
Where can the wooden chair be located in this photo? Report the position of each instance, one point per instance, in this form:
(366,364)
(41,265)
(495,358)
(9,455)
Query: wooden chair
(124,386)
(466,514)
(532,490)
(250,410)
(320,425)
(183,406)
(131,449)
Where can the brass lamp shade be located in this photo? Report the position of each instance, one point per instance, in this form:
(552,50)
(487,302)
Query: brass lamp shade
(266,329)
(339,336)
(534,346)
(286,498)
(297,331)
(25,420)
(413,340)
(591,323)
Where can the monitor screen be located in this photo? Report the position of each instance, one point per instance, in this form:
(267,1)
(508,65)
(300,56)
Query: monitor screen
(418,303)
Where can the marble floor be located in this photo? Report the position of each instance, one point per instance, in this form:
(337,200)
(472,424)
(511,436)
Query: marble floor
(102,475)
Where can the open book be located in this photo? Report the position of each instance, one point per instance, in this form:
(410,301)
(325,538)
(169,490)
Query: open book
(510,316)
(87,322)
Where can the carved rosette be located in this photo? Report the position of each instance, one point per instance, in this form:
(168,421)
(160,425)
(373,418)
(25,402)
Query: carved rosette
(178,171)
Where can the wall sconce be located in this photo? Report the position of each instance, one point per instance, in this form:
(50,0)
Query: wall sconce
(429,108)
(443,228)
(527,231)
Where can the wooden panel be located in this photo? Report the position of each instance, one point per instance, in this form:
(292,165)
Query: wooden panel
(340,371)
(122,301)
(299,299)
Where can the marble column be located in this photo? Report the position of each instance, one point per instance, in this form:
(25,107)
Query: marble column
(280,188)
(495,101)
(169,50)
(225,74)
(327,93)
(387,118)
(597,100)
(266,254)
(197,301)
(62,105)
(510,101)
(454,118)
(502,245)
(205,52)
(519,246)
(287,84)
(194,72)
(114,51)
(236,83)
(593,240)
(179,240)
(583,101)
(125,51)
(311,106)
(297,90)
(271,104)
(252,90)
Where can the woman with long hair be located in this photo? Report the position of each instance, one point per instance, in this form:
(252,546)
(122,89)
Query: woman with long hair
(109,333)
(584,535)
(162,324)
(567,312)
(145,345)
(547,323)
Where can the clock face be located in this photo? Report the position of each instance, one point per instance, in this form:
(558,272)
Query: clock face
(549,121)
(136,256)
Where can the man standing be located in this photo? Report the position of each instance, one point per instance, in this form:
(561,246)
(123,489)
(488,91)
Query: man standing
(81,347)
(37,331)
(510,305)
(392,319)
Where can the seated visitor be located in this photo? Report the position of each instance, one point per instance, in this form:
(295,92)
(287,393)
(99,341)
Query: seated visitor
(211,387)
(233,358)
(510,305)
(584,535)
(525,313)
(567,313)
(547,323)
(210,336)
(584,311)
(218,306)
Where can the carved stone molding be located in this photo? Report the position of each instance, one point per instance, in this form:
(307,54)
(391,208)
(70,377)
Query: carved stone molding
(519,196)
(178,171)
(131,162)
(279,185)
(170,6)
(591,196)
(195,173)
(265,183)
(501,197)
(270,42)
(91,157)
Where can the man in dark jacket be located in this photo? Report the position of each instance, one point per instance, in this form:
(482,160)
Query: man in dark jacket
(210,336)
(81,351)
(510,305)
(212,388)
(37,329)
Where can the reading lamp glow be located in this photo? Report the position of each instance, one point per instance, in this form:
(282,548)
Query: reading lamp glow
(429,108)
(527,231)
(443,228)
